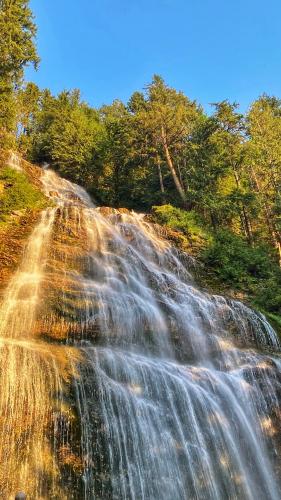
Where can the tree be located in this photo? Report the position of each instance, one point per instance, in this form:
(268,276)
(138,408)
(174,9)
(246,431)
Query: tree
(215,155)
(17,50)
(230,140)
(65,133)
(28,99)
(167,119)
(264,161)
(118,149)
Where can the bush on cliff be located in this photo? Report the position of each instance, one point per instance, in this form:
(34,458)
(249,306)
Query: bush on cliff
(184,221)
(17,193)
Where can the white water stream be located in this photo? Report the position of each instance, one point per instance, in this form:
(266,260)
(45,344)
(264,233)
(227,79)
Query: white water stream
(174,397)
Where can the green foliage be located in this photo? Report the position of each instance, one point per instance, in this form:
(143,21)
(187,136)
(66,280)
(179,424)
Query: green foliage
(28,99)
(165,118)
(17,38)
(234,261)
(18,193)
(263,156)
(185,221)
(162,149)
(275,320)
(245,268)
(268,293)
(236,265)
(215,154)
(8,115)
(17,50)
(65,132)
(116,150)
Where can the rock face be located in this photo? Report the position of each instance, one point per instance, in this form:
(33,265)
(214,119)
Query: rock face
(120,377)
(12,243)
(14,234)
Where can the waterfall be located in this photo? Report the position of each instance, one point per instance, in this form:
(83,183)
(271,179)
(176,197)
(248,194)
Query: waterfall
(27,373)
(120,378)
(15,162)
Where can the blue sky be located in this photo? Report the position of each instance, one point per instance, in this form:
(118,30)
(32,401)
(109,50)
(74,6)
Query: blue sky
(210,49)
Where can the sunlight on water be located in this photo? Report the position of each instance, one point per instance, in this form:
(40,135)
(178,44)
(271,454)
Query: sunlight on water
(120,379)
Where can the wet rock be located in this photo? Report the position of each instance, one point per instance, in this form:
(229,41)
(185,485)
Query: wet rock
(106,211)
(18,213)
(53,194)
(20,496)
(124,211)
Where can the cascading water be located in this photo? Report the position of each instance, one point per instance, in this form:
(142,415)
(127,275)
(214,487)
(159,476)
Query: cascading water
(15,162)
(29,376)
(120,379)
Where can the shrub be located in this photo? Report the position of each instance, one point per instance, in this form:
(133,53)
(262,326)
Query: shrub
(251,269)
(182,220)
(235,261)
(18,193)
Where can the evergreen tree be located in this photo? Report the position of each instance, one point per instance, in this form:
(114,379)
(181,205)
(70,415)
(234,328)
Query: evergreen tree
(167,119)
(28,99)
(65,133)
(17,50)
(264,162)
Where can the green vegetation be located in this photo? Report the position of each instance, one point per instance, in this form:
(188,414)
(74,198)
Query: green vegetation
(17,194)
(215,178)
(187,222)
(229,260)
(247,269)
(17,51)
(235,262)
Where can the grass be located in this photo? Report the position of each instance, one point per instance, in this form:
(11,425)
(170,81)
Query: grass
(186,222)
(17,193)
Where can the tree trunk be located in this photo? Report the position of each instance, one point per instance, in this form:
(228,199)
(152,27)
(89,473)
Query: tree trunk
(248,227)
(116,186)
(273,231)
(245,218)
(172,168)
(160,176)
(180,177)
